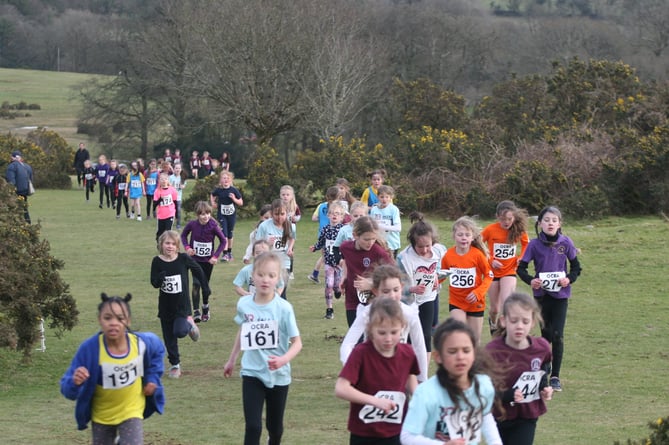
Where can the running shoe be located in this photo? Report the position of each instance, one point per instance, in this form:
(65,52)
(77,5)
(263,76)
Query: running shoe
(174,372)
(205,314)
(329,313)
(313,278)
(196,316)
(555,384)
(194,332)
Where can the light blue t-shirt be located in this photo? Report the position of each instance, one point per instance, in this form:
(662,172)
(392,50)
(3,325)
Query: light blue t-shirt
(269,231)
(433,414)
(389,221)
(345,234)
(261,326)
(176,182)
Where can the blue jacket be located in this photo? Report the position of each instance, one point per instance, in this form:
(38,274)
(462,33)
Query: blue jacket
(19,175)
(88,356)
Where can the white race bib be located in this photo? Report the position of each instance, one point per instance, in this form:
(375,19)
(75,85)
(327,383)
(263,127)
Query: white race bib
(503,251)
(371,414)
(115,376)
(463,278)
(259,335)
(550,280)
(150,181)
(329,246)
(276,243)
(172,285)
(460,424)
(135,183)
(425,278)
(228,209)
(166,200)
(121,185)
(102,173)
(202,249)
(88,176)
(528,384)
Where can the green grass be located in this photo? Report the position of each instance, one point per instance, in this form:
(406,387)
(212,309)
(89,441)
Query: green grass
(52,91)
(614,371)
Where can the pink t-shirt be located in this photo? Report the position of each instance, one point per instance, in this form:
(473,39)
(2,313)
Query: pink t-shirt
(166,202)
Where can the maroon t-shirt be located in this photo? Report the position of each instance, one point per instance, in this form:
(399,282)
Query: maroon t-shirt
(360,262)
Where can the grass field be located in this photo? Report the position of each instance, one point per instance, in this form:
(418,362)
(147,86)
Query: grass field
(614,371)
(52,91)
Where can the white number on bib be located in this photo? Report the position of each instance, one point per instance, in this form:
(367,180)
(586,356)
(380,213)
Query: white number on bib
(89,176)
(371,414)
(202,249)
(550,281)
(528,384)
(135,183)
(260,335)
(150,181)
(504,251)
(461,425)
(463,278)
(102,173)
(172,284)
(121,185)
(227,209)
(115,376)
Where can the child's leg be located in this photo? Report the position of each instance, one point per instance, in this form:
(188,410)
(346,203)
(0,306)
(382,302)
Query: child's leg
(138,207)
(276,406)
(131,431)
(125,204)
(170,340)
(102,193)
(195,295)
(495,304)
(555,312)
(426,317)
(329,285)
(253,399)
(118,200)
(476,323)
(108,196)
(149,201)
(103,434)
(177,206)
(517,431)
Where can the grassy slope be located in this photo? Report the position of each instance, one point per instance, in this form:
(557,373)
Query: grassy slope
(52,91)
(614,368)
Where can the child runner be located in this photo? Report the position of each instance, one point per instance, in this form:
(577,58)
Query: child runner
(176,157)
(325,242)
(420,261)
(167,156)
(455,405)
(387,216)
(119,190)
(378,376)
(194,164)
(101,171)
(551,283)
(225,161)
(287,195)
(136,190)
(203,232)
(269,336)
(178,181)
(387,283)
(243,282)
(502,238)
(526,363)
(165,196)
(370,195)
(151,185)
(169,273)
(88,173)
(265,213)
(226,198)
(359,257)
(111,175)
(470,274)
(280,233)
(356,210)
(321,215)
(345,196)
(115,377)
(205,164)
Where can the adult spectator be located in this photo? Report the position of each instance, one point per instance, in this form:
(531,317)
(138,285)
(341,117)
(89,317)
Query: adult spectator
(20,175)
(80,157)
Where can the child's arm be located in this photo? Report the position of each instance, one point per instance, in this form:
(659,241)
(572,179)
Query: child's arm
(489,430)
(418,345)
(236,347)
(345,390)
(352,336)
(412,384)
(241,291)
(157,275)
(277,361)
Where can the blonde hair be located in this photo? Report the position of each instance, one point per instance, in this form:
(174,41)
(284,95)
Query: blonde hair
(468,223)
(291,205)
(173,235)
(384,309)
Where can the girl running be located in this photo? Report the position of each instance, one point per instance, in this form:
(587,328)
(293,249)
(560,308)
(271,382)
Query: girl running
(165,196)
(88,173)
(136,190)
(551,283)
(269,336)
(503,238)
(370,195)
(119,188)
(264,214)
(287,195)
(526,363)
(151,185)
(387,215)
(226,198)
(243,282)
(178,181)
(101,171)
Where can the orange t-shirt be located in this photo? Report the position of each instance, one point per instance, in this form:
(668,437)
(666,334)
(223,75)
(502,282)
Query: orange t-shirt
(469,273)
(503,251)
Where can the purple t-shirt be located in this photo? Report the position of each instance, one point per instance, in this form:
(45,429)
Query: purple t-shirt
(550,263)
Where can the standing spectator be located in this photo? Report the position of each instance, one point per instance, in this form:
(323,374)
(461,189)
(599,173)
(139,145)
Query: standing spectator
(82,155)
(195,164)
(225,161)
(20,175)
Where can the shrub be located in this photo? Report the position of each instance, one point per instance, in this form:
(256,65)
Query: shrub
(659,434)
(266,175)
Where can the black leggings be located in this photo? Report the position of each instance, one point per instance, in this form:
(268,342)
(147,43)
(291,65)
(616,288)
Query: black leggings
(104,192)
(121,199)
(174,329)
(554,313)
(254,396)
(426,316)
(207,268)
(517,431)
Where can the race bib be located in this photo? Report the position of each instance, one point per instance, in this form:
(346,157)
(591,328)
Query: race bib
(372,414)
(259,335)
(503,251)
(102,173)
(150,181)
(329,246)
(121,185)
(425,278)
(227,209)
(115,376)
(166,200)
(463,278)
(461,424)
(172,285)
(528,384)
(88,176)
(135,183)
(363,295)
(202,249)
(550,280)
(276,243)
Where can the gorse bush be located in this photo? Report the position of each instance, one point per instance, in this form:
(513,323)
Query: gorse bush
(659,434)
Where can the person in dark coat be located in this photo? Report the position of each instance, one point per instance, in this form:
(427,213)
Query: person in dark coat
(20,175)
(82,155)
